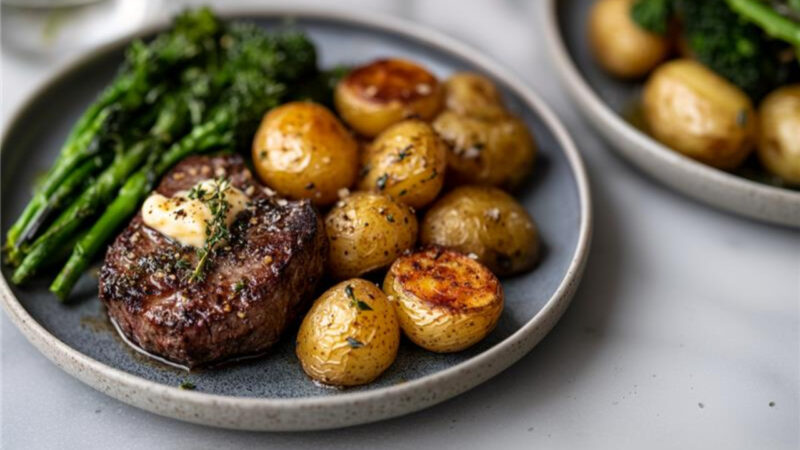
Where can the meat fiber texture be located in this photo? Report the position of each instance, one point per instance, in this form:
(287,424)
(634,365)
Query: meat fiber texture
(256,284)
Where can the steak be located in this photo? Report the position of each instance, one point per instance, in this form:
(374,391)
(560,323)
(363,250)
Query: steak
(256,283)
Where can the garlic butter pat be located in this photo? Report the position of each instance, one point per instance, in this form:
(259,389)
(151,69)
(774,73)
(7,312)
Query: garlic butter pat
(185,219)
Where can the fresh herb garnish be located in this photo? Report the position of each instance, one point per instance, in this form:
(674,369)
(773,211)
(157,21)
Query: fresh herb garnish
(404,152)
(354,343)
(187,385)
(403,192)
(390,218)
(432,176)
(239,286)
(216,227)
(362,305)
(381,181)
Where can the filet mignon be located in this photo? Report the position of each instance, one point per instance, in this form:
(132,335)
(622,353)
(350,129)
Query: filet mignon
(256,283)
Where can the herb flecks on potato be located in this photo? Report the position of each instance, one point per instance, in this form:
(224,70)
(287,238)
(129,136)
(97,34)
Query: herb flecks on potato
(350,336)
(407,162)
(367,231)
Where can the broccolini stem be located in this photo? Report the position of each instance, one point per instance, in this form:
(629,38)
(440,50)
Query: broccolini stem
(774,24)
(83,207)
(74,180)
(71,155)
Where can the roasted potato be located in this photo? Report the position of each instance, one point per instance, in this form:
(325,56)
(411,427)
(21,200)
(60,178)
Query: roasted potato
(368,231)
(350,335)
(377,95)
(619,44)
(473,95)
(499,152)
(779,139)
(407,162)
(696,112)
(486,222)
(301,150)
(445,301)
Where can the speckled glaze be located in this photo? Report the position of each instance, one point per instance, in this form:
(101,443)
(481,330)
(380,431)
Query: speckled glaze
(271,392)
(603,100)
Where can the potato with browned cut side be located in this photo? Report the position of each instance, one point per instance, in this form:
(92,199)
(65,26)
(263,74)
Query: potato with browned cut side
(499,152)
(445,301)
(486,222)
(407,162)
(350,336)
(303,151)
(374,96)
(367,231)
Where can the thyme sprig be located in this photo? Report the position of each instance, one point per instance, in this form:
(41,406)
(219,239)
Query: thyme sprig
(217,226)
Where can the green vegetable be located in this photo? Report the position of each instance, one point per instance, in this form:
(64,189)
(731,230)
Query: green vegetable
(653,15)
(82,209)
(223,98)
(139,83)
(742,40)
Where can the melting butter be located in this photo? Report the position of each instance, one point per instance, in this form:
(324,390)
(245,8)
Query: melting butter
(184,219)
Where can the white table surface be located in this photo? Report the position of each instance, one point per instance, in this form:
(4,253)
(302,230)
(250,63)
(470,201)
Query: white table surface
(684,333)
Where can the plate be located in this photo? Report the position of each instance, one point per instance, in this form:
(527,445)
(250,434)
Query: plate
(272,393)
(605,101)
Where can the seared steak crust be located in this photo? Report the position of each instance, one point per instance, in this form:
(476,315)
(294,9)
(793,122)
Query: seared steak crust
(256,284)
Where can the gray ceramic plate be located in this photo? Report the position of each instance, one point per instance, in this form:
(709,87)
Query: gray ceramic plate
(272,393)
(605,101)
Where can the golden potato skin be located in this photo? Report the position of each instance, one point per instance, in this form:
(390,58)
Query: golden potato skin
(301,150)
(350,335)
(779,133)
(499,152)
(368,231)
(407,162)
(374,96)
(473,95)
(487,222)
(619,44)
(699,114)
(445,301)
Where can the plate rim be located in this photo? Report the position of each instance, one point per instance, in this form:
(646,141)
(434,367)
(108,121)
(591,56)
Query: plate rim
(601,116)
(500,356)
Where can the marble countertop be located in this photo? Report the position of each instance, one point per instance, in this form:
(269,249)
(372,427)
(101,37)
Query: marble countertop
(685,332)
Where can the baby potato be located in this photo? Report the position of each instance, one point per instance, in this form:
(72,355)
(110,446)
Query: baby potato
(301,150)
(696,112)
(499,152)
(487,222)
(384,92)
(368,231)
(350,335)
(779,140)
(473,95)
(445,301)
(407,162)
(619,44)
